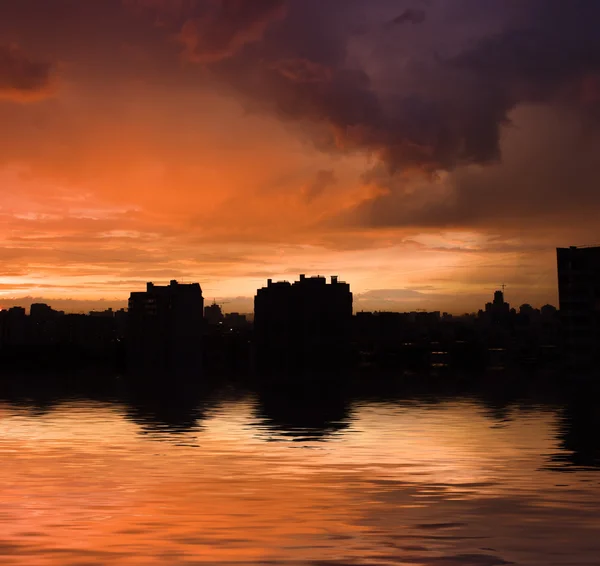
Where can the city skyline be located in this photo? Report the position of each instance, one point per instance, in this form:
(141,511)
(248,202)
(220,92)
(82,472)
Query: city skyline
(402,145)
(299,282)
(366,302)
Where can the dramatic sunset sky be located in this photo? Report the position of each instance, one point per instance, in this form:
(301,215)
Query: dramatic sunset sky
(426,151)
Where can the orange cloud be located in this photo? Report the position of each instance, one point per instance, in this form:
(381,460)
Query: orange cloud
(255,163)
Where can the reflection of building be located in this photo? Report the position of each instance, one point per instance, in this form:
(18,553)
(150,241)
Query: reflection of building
(579,298)
(165,327)
(304,326)
(173,411)
(303,413)
(577,433)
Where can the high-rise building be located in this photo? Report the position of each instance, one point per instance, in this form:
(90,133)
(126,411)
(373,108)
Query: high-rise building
(165,325)
(579,305)
(213,314)
(303,326)
(42,311)
(13,327)
(498,310)
(44,324)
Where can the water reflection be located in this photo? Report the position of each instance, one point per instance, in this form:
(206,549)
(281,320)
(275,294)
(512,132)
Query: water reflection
(302,414)
(578,433)
(394,478)
(170,412)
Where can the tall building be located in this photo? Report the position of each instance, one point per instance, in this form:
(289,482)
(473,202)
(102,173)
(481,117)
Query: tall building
(44,324)
(498,310)
(13,327)
(213,314)
(165,325)
(579,304)
(42,311)
(304,326)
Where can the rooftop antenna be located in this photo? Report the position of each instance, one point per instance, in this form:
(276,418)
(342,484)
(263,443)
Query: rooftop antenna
(503,287)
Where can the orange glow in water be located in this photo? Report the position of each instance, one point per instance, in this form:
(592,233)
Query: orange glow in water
(93,483)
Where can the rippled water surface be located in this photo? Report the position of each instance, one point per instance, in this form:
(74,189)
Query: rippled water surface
(246,478)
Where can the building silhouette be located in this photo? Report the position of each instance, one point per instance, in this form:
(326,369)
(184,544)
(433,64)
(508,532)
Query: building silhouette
(45,324)
(498,310)
(235,320)
(303,413)
(303,327)
(579,304)
(213,314)
(165,325)
(307,328)
(14,325)
(49,339)
(496,324)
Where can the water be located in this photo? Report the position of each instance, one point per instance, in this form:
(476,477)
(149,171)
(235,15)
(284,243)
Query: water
(241,478)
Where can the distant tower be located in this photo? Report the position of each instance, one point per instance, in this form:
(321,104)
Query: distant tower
(213,314)
(498,311)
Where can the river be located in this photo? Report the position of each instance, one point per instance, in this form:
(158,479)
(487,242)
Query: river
(240,477)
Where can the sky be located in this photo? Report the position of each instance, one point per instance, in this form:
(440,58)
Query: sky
(426,151)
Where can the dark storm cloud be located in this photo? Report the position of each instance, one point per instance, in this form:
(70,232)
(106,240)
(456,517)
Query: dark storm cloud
(22,78)
(534,62)
(429,96)
(421,102)
(548,176)
(440,97)
(410,15)
(358,76)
